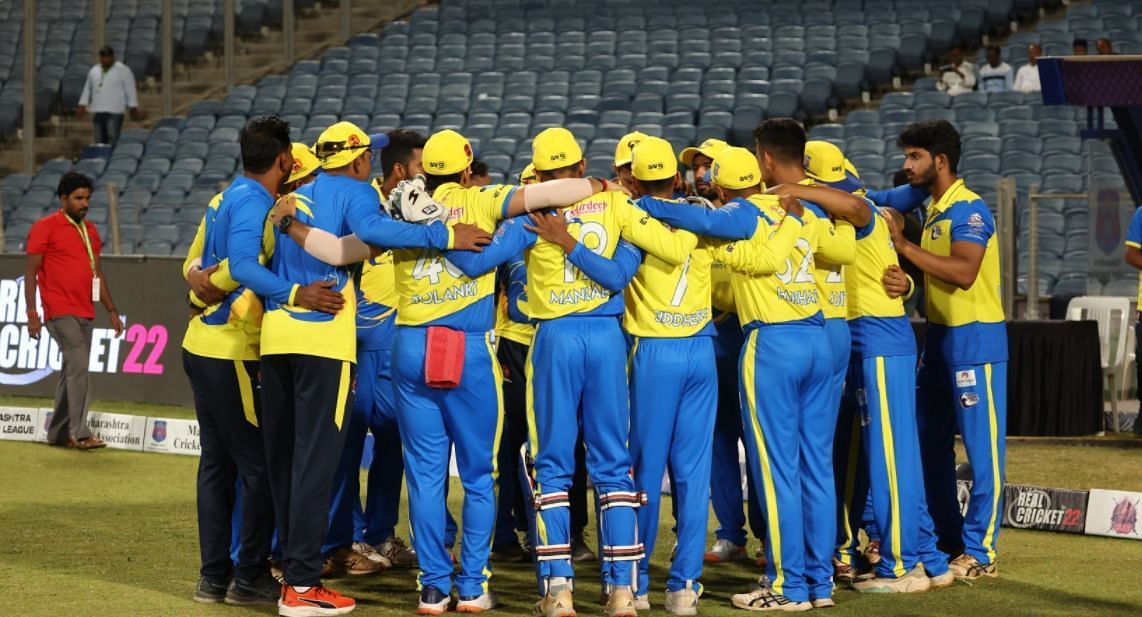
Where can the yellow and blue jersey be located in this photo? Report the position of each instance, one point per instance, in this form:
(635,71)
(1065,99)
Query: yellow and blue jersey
(666,300)
(339,205)
(512,322)
(605,276)
(231,329)
(772,262)
(835,248)
(1134,239)
(556,286)
(377,299)
(433,291)
(966,326)
(877,321)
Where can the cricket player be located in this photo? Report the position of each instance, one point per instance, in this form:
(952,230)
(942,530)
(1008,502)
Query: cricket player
(785,375)
(623,157)
(881,399)
(963,377)
(579,336)
(306,387)
(725,470)
(448,397)
(220,356)
(673,391)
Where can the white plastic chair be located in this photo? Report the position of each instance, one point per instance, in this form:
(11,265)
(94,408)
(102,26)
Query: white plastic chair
(1113,317)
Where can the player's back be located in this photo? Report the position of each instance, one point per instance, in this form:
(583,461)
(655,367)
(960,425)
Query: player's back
(432,290)
(789,295)
(877,321)
(377,299)
(671,300)
(322,204)
(555,287)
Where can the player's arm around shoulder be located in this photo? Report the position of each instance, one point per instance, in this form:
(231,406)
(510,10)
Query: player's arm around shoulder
(650,234)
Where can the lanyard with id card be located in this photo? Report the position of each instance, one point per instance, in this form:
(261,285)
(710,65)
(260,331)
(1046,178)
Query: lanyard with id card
(81,228)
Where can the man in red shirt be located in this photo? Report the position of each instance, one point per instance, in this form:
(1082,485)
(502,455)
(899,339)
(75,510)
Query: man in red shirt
(63,261)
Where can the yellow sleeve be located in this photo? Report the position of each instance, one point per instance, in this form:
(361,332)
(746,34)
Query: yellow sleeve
(196,248)
(764,253)
(651,235)
(836,242)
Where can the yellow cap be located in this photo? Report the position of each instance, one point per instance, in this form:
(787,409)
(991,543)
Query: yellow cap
(555,148)
(527,176)
(735,168)
(825,163)
(653,159)
(711,147)
(626,145)
(445,153)
(340,144)
(304,162)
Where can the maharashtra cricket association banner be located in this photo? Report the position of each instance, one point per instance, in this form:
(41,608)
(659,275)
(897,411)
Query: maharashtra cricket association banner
(144,364)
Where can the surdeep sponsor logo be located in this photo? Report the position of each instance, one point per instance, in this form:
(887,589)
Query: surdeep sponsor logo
(25,360)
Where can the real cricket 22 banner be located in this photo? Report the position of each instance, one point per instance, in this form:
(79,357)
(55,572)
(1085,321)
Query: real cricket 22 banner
(144,364)
(1047,509)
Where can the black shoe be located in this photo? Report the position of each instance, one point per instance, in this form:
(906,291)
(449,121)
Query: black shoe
(209,593)
(510,552)
(433,602)
(579,550)
(263,590)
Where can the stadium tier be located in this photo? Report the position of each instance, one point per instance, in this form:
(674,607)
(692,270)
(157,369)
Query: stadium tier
(501,71)
(64,32)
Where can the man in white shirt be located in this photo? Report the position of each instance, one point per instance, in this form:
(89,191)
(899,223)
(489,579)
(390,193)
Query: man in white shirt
(996,75)
(957,77)
(109,92)
(1027,77)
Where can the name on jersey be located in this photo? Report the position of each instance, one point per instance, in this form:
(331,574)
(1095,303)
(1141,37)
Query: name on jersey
(583,294)
(799,297)
(438,296)
(587,208)
(837,298)
(682,320)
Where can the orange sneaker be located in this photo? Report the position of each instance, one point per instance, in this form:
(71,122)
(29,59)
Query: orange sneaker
(317,601)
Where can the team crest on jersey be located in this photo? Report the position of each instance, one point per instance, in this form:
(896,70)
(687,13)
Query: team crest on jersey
(969,400)
(965,379)
(936,232)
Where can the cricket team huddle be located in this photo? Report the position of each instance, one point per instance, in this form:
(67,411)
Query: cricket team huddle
(568,328)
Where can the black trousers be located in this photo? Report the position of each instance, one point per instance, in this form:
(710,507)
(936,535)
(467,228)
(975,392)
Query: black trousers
(307,402)
(228,410)
(511,514)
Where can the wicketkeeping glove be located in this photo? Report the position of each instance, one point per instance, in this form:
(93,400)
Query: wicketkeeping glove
(409,201)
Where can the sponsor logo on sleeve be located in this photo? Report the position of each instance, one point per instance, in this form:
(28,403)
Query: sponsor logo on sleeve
(965,379)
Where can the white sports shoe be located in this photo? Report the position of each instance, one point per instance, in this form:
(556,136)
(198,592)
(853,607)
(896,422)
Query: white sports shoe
(916,581)
(682,602)
(724,551)
(483,602)
(641,603)
(763,599)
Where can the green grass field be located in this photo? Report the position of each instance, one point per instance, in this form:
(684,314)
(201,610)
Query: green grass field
(113,532)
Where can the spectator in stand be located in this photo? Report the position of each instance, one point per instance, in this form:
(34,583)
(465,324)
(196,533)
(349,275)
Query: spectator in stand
(996,75)
(1027,77)
(63,262)
(1104,47)
(1079,47)
(958,76)
(110,93)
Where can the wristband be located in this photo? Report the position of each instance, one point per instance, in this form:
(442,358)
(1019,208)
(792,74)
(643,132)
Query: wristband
(605,185)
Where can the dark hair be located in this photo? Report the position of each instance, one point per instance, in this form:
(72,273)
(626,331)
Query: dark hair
(995,48)
(658,186)
(936,136)
(71,182)
(1080,42)
(401,144)
(106,51)
(479,168)
(263,139)
(782,138)
(432,182)
(551,173)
